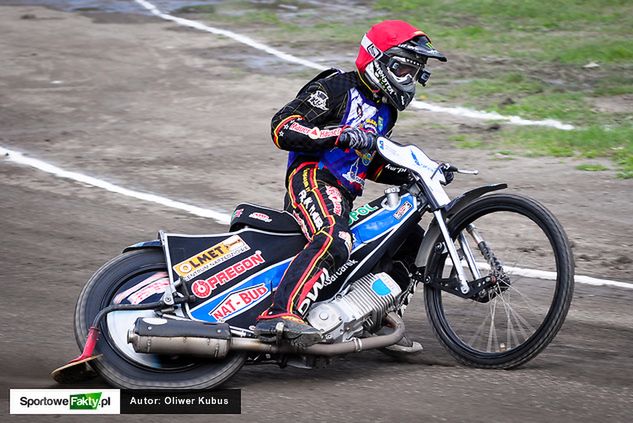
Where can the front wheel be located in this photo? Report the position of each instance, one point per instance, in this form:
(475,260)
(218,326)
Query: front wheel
(519,243)
(128,277)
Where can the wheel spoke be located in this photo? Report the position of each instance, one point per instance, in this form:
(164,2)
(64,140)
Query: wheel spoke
(521,235)
(493,333)
(511,312)
(530,306)
(478,332)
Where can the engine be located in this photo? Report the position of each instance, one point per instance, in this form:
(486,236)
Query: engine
(362,307)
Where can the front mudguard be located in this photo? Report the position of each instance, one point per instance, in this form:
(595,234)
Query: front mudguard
(155,243)
(451,209)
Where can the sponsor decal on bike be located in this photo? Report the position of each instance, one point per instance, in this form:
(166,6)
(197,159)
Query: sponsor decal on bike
(415,158)
(403,210)
(237,213)
(335,197)
(239,301)
(203,288)
(365,210)
(333,277)
(318,99)
(395,169)
(157,287)
(125,294)
(211,257)
(260,216)
(324,278)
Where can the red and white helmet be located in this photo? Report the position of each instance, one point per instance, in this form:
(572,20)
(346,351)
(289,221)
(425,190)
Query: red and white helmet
(392,57)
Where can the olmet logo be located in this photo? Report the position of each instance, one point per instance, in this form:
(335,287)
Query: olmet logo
(211,257)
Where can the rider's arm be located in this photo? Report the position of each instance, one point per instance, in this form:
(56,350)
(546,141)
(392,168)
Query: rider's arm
(299,125)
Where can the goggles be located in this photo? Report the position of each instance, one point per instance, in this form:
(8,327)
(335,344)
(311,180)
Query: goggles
(406,71)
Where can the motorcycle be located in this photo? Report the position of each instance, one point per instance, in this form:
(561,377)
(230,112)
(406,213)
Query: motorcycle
(178,312)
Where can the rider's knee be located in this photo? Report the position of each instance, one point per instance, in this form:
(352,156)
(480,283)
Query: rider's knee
(341,247)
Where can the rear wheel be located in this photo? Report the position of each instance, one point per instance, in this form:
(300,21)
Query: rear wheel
(527,252)
(120,365)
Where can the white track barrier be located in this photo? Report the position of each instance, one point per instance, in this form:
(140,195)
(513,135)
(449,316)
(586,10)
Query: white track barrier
(455,111)
(17,157)
(224,218)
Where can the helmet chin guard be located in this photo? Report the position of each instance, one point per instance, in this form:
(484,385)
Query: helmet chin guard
(399,95)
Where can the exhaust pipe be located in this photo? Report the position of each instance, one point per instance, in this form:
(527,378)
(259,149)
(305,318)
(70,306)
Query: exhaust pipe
(154,335)
(354,345)
(162,336)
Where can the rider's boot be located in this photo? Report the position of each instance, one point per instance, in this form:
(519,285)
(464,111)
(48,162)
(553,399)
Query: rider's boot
(293,328)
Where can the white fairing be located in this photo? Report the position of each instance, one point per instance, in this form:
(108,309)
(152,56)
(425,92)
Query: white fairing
(415,159)
(362,307)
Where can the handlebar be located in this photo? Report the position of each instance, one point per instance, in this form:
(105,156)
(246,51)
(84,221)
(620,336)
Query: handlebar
(442,167)
(447,167)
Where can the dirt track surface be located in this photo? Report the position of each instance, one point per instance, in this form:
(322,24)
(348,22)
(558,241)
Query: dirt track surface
(150,106)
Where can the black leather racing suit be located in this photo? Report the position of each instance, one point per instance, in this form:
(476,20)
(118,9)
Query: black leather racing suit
(323,180)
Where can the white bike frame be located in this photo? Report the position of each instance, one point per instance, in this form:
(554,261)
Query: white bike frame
(430,176)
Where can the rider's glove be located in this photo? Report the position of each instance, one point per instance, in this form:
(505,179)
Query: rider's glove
(449,175)
(357,139)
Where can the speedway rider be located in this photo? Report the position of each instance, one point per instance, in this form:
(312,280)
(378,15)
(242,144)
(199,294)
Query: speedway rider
(329,130)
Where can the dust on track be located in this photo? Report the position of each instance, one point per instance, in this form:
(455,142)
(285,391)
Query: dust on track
(154,108)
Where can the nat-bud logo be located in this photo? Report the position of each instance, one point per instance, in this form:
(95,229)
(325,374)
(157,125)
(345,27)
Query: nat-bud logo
(87,401)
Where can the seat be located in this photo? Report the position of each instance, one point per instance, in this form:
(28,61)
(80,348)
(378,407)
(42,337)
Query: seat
(264,218)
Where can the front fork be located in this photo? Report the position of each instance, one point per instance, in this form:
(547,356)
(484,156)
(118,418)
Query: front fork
(452,251)
(496,268)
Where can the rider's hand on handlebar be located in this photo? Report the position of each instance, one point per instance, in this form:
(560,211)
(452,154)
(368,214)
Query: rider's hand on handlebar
(357,139)
(447,171)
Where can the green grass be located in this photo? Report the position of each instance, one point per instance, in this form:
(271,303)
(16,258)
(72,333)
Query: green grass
(590,167)
(464,142)
(603,52)
(515,57)
(595,141)
(572,31)
(615,85)
(512,82)
(567,106)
